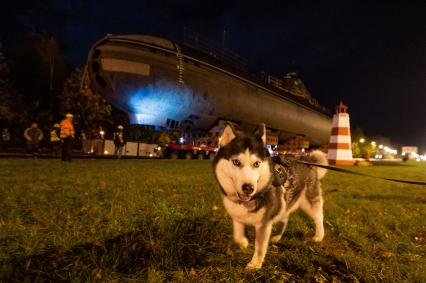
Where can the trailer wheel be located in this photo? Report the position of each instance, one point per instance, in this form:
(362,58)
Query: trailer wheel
(211,155)
(188,155)
(200,155)
(174,155)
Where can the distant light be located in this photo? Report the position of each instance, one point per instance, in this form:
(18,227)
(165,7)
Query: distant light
(181,140)
(303,150)
(106,152)
(373,143)
(361,140)
(380,146)
(150,155)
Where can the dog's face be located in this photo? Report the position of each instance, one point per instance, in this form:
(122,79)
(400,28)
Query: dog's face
(242,165)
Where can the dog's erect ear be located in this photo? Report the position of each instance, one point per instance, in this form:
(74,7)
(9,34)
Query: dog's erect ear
(261,132)
(228,135)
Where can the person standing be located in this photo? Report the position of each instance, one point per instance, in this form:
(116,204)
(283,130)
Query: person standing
(5,139)
(67,137)
(119,141)
(33,135)
(55,140)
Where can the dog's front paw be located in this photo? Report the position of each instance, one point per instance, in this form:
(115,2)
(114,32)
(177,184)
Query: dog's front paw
(317,238)
(254,264)
(242,242)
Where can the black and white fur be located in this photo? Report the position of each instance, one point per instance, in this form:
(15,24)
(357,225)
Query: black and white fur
(251,195)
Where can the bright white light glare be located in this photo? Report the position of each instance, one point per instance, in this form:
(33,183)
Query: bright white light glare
(150,155)
(380,146)
(106,152)
(373,143)
(153,102)
(181,140)
(414,154)
(361,140)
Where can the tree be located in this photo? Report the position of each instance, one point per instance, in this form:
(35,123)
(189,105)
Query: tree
(11,108)
(39,70)
(361,144)
(90,109)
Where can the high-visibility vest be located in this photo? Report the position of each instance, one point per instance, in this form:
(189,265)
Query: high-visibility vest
(120,136)
(67,129)
(54,136)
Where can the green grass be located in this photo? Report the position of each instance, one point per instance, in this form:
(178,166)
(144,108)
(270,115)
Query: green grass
(163,220)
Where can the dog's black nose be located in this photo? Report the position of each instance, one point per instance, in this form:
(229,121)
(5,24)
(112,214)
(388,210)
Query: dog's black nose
(248,188)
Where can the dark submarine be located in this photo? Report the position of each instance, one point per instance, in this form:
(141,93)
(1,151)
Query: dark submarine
(173,85)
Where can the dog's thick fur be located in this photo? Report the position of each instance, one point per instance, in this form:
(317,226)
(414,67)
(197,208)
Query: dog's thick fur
(248,180)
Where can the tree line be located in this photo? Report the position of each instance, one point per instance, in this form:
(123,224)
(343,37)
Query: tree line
(38,84)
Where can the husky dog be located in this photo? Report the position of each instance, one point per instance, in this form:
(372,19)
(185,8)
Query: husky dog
(261,193)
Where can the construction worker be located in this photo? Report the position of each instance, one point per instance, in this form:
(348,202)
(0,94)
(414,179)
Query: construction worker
(119,141)
(55,140)
(67,136)
(33,135)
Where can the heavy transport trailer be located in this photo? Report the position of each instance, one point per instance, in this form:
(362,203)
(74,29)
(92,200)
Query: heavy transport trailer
(176,87)
(179,151)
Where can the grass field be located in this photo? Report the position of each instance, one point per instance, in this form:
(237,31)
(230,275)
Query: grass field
(163,220)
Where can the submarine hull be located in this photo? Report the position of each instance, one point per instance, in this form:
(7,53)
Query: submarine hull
(166,84)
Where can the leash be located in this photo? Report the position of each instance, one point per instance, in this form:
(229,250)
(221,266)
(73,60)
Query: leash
(361,174)
(337,169)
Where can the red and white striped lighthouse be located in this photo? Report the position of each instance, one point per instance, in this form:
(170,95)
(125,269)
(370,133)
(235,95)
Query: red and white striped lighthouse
(339,149)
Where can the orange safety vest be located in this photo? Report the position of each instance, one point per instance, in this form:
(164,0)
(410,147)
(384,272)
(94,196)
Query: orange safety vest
(67,129)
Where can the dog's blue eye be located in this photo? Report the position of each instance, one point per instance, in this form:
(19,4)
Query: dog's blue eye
(256,164)
(236,162)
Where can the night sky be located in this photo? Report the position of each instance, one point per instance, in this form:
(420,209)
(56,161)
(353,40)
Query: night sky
(371,56)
